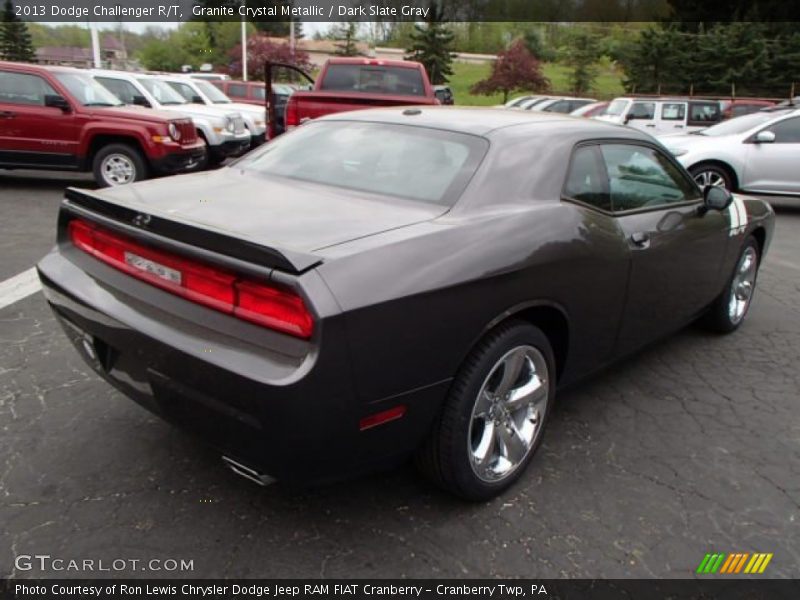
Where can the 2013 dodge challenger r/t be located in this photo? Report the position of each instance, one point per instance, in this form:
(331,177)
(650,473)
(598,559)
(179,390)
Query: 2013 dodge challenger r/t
(396,282)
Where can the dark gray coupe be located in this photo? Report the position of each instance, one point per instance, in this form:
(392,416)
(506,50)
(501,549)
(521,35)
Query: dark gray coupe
(388,282)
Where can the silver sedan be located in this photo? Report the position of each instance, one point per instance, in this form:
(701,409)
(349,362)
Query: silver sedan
(757,153)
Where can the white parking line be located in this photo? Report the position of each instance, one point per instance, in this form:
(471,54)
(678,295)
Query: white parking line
(19,287)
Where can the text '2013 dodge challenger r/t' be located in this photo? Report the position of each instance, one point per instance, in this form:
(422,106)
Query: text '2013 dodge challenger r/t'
(397,282)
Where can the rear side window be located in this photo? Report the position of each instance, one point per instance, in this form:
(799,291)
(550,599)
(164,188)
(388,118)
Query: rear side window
(673,111)
(586,180)
(22,88)
(642,177)
(704,114)
(237,90)
(391,160)
(259,93)
(373,79)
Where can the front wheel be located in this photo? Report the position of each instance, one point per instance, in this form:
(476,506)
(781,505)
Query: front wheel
(493,419)
(709,174)
(730,308)
(118,164)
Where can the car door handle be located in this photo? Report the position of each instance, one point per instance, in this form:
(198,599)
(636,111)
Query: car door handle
(650,125)
(678,126)
(7,114)
(640,239)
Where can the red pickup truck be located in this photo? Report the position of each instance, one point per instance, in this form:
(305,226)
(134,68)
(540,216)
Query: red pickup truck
(356,83)
(60,118)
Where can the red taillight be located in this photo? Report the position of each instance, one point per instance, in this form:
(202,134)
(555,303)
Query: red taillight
(290,116)
(226,292)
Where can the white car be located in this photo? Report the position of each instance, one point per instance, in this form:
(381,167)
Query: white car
(758,153)
(202,92)
(658,116)
(223,130)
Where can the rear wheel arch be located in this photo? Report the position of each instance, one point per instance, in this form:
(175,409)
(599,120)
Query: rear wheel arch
(549,318)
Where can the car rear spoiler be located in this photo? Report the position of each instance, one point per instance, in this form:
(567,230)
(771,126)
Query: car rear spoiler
(139,224)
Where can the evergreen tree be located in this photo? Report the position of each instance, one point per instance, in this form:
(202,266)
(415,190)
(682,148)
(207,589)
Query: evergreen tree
(431,44)
(346,36)
(15,39)
(582,54)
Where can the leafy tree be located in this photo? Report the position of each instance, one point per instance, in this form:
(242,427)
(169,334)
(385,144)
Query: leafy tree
(515,70)
(163,55)
(431,44)
(581,55)
(261,49)
(15,39)
(346,36)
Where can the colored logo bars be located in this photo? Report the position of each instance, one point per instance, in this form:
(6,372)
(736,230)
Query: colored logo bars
(728,564)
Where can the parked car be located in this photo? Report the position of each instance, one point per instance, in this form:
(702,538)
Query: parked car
(386,282)
(758,153)
(198,91)
(209,76)
(663,115)
(346,84)
(561,104)
(514,102)
(743,106)
(221,129)
(253,92)
(590,110)
(533,101)
(444,94)
(58,118)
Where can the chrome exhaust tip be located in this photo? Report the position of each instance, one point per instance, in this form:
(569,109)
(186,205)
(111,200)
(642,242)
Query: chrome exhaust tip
(247,472)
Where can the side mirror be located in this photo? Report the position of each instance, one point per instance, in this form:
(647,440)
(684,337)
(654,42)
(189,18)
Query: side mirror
(764,137)
(197,100)
(141,101)
(56,101)
(716,197)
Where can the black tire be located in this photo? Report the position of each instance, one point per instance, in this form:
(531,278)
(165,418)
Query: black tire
(445,455)
(720,317)
(125,154)
(709,173)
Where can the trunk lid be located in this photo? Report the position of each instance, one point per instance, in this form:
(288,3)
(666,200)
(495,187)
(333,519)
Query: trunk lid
(285,218)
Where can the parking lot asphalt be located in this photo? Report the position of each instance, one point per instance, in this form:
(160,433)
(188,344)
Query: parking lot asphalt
(692,446)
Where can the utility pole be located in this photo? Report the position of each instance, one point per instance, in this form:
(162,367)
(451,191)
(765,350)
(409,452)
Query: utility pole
(95,46)
(244,46)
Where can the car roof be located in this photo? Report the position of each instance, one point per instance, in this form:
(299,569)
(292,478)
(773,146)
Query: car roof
(482,120)
(35,67)
(353,60)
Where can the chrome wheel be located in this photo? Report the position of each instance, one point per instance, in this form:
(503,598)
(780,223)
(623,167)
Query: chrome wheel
(744,281)
(704,178)
(508,414)
(118,169)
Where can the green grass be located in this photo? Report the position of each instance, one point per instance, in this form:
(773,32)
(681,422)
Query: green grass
(608,83)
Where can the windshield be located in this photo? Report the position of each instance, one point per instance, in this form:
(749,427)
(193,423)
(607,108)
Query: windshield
(86,90)
(742,124)
(616,108)
(162,92)
(392,160)
(212,92)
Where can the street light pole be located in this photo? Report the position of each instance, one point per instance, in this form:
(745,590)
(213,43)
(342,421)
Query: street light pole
(244,50)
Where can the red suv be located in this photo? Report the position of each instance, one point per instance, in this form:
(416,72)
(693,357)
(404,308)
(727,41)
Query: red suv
(60,118)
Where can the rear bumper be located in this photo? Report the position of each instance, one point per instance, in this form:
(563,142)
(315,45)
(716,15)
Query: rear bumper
(290,415)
